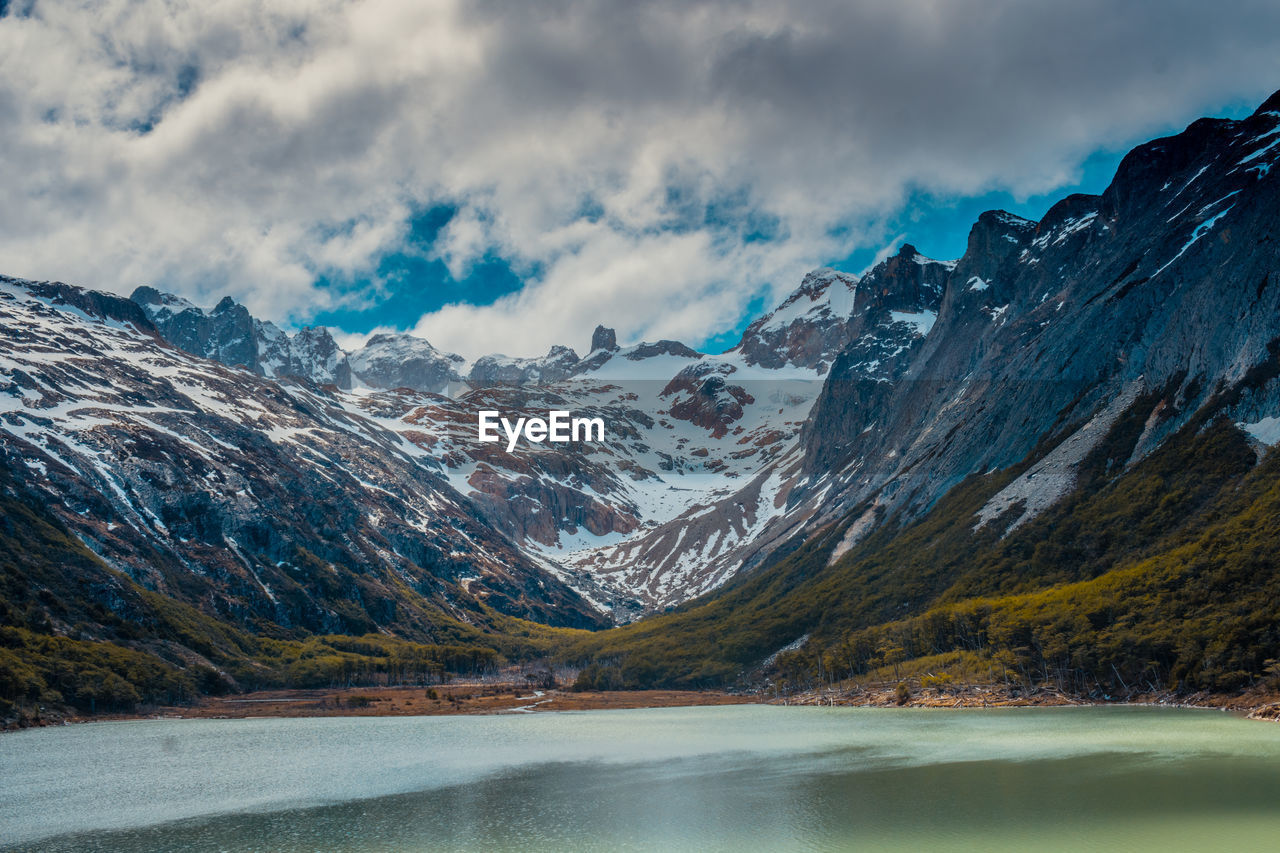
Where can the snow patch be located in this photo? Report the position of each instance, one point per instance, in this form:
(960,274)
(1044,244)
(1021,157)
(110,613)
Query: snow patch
(854,534)
(1266,430)
(789,647)
(922,320)
(1054,476)
(1202,229)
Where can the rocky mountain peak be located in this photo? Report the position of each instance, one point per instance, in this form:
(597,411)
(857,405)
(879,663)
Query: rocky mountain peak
(227,334)
(405,361)
(231,335)
(604,339)
(998,233)
(559,363)
(997,246)
(314,354)
(1074,207)
(807,328)
(1160,290)
(153,301)
(906,281)
(1175,161)
(146,295)
(815,283)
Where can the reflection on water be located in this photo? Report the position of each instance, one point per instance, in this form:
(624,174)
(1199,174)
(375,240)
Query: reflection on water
(699,779)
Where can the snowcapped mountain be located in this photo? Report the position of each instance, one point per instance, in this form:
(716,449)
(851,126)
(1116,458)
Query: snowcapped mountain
(1041,341)
(1143,305)
(230,335)
(394,424)
(853,396)
(261,501)
(557,364)
(701,451)
(405,361)
(808,328)
(671,445)
(762,404)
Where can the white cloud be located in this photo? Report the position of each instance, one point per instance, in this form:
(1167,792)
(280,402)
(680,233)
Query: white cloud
(617,152)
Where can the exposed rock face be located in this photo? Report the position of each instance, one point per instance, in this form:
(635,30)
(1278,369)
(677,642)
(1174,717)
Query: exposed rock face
(604,343)
(102,306)
(1161,290)
(231,335)
(556,365)
(604,339)
(808,328)
(705,399)
(642,351)
(259,501)
(316,356)
(226,334)
(405,361)
(553,506)
(895,309)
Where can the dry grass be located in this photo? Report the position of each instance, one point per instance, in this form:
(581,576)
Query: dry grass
(457,698)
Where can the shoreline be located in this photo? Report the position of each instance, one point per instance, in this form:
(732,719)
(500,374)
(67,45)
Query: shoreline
(1252,704)
(456,699)
(470,698)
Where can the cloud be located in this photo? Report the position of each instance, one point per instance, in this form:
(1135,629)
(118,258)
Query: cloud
(649,165)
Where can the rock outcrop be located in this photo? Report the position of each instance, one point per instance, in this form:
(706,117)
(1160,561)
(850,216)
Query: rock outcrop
(1160,290)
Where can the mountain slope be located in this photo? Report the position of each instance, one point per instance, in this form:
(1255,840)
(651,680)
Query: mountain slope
(1048,330)
(932,586)
(1087,409)
(973,458)
(683,430)
(76,633)
(1162,282)
(264,503)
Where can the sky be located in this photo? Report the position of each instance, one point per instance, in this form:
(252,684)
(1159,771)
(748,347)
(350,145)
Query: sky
(502,176)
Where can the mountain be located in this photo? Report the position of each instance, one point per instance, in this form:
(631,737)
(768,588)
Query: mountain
(1161,285)
(556,365)
(682,429)
(405,361)
(265,503)
(964,463)
(1065,479)
(1047,331)
(230,335)
(613,521)
(721,530)
(808,328)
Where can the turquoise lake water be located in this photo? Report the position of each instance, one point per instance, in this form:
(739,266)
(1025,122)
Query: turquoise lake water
(726,778)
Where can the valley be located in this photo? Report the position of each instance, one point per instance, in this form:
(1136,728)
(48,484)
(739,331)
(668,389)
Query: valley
(1051,459)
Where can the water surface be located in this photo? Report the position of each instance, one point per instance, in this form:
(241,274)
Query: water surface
(723,778)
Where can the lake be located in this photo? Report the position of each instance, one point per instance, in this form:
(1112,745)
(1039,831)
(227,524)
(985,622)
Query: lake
(716,778)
